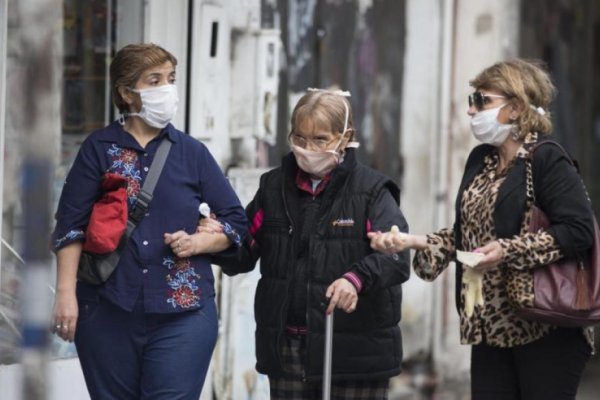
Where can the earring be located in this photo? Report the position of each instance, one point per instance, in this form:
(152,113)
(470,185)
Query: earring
(515,132)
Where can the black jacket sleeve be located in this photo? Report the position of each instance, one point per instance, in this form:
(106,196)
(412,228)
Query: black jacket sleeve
(378,270)
(243,258)
(560,193)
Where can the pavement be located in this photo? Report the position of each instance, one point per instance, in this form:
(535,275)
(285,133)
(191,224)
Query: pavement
(589,388)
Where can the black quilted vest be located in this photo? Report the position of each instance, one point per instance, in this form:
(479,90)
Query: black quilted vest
(367,342)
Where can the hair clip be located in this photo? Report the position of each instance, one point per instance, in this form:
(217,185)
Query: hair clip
(336,92)
(538,110)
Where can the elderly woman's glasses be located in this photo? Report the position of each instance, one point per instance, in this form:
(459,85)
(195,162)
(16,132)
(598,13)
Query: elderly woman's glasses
(301,141)
(479,100)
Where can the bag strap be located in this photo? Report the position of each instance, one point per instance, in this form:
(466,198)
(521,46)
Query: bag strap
(146,193)
(529,176)
(538,144)
(529,169)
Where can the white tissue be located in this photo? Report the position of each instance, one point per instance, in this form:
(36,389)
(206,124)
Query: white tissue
(204,210)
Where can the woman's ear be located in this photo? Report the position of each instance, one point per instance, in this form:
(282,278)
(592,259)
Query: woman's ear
(515,111)
(347,137)
(125,94)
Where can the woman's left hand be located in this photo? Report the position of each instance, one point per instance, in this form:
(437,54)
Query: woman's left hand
(493,255)
(181,243)
(341,294)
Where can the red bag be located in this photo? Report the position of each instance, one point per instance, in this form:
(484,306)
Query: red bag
(109,216)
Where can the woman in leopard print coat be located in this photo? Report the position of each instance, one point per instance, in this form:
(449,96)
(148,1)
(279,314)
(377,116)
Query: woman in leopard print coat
(511,358)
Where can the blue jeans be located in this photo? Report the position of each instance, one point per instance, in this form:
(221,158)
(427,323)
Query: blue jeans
(134,355)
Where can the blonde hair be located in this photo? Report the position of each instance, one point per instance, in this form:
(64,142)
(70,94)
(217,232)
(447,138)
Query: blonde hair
(130,62)
(325,109)
(527,85)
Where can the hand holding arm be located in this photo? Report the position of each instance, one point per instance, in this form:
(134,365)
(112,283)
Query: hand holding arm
(201,242)
(395,241)
(209,225)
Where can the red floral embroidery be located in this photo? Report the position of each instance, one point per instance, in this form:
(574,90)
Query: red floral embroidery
(133,187)
(128,156)
(186,297)
(183,281)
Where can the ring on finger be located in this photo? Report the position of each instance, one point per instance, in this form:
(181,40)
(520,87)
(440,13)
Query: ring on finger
(65,327)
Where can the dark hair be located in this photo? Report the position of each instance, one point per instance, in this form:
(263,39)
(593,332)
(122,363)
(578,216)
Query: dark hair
(130,62)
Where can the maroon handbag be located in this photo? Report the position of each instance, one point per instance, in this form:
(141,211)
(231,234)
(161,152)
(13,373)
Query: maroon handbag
(566,292)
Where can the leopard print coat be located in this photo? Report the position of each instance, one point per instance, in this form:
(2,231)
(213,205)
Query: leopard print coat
(494,322)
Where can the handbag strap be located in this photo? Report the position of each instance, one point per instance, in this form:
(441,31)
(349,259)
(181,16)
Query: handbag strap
(146,193)
(529,175)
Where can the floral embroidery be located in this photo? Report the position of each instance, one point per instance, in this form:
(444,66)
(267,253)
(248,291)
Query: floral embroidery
(70,236)
(125,163)
(183,281)
(232,234)
(133,188)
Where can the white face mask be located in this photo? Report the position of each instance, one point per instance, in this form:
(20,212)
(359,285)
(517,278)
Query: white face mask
(159,105)
(486,128)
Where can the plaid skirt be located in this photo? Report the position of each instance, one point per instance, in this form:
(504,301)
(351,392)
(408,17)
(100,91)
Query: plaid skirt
(292,387)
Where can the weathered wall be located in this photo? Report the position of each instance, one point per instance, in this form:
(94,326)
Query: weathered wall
(566,35)
(356,45)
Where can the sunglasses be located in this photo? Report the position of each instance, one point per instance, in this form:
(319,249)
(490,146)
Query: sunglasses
(479,100)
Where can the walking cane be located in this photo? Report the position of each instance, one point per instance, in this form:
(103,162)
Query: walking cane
(327,359)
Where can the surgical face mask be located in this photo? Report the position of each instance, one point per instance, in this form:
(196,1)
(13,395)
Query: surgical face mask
(322,162)
(486,128)
(159,105)
(317,163)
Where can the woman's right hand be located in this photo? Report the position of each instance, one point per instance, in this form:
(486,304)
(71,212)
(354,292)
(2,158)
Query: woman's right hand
(209,225)
(66,310)
(65,314)
(388,242)
(395,241)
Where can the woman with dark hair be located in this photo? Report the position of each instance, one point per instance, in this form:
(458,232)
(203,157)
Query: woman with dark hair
(150,329)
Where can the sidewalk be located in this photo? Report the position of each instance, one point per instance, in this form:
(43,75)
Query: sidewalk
(459,390)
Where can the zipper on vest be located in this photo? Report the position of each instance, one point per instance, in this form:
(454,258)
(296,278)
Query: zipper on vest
(284,310)
(287,213)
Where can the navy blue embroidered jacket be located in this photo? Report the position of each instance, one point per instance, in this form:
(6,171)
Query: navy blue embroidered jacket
(147,266)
